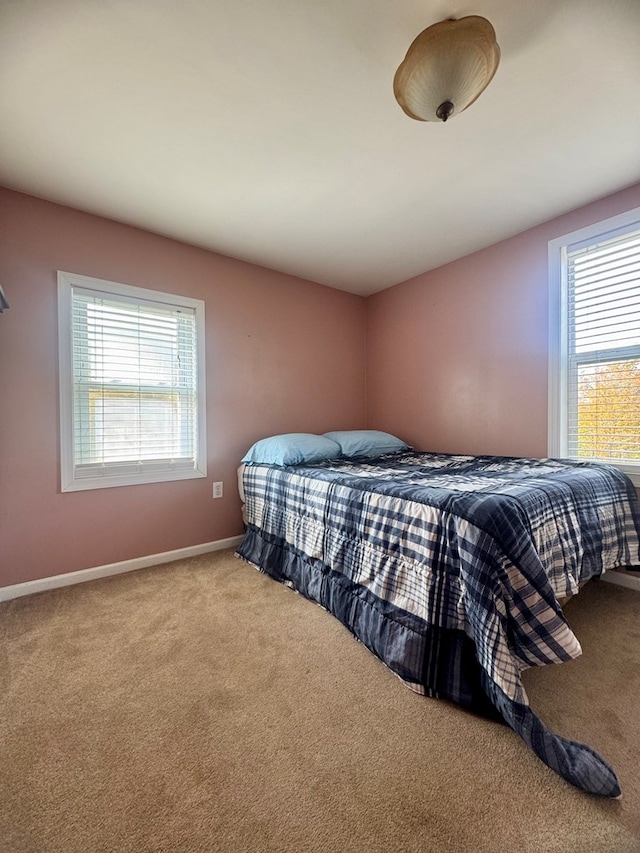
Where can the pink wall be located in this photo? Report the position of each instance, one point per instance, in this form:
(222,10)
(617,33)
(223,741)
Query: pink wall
(457,357)
(282,355)
(456,360)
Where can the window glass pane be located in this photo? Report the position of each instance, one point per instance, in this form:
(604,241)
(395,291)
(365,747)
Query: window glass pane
(605,423)
(133,345)
(126,428)
(604,300)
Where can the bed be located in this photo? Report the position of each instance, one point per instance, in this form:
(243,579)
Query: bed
(449,568)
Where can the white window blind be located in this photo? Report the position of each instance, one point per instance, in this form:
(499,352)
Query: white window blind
(604,349)
(132,402)
(596,356)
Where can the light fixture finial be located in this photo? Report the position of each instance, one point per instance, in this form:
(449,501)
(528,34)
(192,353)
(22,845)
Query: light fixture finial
(445,110)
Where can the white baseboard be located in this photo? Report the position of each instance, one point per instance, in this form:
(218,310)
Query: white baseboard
(29,587)
(620,579)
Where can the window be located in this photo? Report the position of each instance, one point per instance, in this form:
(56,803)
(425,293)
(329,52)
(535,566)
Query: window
(594,372)
(131,384)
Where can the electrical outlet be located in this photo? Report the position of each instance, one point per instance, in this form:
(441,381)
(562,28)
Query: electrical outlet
(217,490)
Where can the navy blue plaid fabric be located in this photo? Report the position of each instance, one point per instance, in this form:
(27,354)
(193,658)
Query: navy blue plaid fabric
(449,568)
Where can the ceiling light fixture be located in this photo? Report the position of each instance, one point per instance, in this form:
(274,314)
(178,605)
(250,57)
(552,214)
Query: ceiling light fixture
(447,67)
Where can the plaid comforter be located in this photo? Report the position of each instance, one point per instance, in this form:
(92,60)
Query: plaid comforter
(449,568)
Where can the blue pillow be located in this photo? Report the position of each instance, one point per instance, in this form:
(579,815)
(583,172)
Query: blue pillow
(293,448)
(366,442)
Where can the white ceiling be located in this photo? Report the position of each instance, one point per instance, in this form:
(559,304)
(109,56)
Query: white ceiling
(267,130)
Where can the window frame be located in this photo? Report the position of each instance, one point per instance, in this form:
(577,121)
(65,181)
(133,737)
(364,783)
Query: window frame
(120,474)
(558,366)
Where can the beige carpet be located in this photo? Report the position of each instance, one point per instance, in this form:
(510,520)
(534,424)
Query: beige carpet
(200,706)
